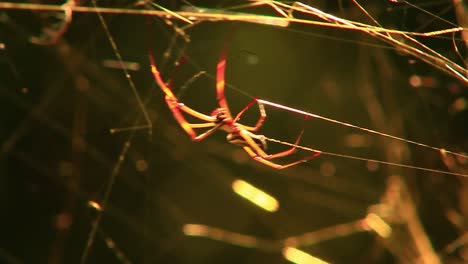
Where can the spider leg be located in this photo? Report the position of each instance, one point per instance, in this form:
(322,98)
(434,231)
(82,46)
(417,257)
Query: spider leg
(220,87)
(220,83)
(264,161)
(173,103)
(202,125)
(261,153)
(250,142)
(287,152)
(258,154)
(176,108)
(207,133)
(257,158)
(220,94)
(261,119)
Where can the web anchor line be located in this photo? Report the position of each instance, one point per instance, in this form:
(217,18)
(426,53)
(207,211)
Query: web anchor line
(297,111)
(364,159)
(294,110)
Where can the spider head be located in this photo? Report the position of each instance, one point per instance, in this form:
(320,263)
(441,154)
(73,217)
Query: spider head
(235,138)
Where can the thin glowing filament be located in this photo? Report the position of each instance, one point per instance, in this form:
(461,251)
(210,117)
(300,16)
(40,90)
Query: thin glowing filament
(441,150)
(215,17)
(294,110)
(125,70)
(365,159)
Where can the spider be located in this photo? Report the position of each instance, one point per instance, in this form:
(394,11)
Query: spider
(221,119)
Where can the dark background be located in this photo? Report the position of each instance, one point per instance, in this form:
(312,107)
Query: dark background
(58,103)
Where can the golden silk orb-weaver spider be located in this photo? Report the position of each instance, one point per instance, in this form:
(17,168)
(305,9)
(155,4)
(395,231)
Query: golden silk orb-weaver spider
(222,119)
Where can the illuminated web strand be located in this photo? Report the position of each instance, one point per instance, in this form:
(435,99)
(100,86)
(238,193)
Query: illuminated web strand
(124,69)
(290,109)
(363,10)
(366,159)
(126,146)
(441,150)
(426,54)
(427,12)
(105,199)
(345,23)
(217,16)
(111,244)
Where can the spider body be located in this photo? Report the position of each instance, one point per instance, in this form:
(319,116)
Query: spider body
(221,119)
(233,128)
(236,139)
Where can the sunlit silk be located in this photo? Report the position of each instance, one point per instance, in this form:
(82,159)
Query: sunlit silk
(255,195)
(300,257)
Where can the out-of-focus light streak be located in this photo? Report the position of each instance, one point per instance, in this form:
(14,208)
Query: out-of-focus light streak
(300,257)
(288,246)
(96,206)
(357,141)
(255,195)
(379,226)
(220,235)
(113,64)
(195,230)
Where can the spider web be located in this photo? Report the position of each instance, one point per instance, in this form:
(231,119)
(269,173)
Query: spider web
(376,76)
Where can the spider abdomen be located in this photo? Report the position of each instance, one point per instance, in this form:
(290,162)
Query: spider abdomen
(237,139)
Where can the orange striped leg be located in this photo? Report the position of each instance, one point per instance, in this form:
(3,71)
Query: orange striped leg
(261,119)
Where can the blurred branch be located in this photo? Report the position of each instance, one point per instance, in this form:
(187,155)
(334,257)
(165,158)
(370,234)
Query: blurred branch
(269,245)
